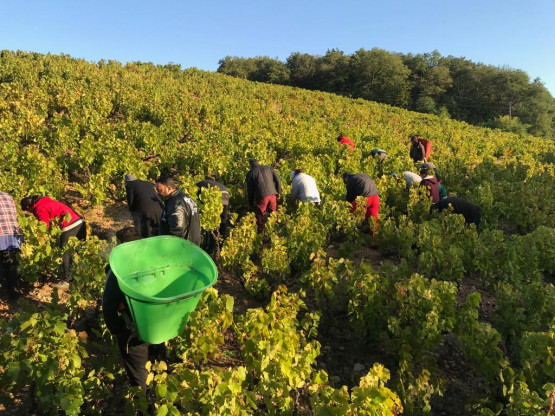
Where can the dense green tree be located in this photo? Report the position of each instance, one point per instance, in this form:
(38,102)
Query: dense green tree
(429,80)
(378,75)
(261,68)
(429,83)
(303,69)
(237,67)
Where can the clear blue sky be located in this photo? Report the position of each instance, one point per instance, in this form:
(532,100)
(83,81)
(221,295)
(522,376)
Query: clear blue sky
(519,34)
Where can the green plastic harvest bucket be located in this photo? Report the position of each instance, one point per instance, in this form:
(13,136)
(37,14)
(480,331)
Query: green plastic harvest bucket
(162,278)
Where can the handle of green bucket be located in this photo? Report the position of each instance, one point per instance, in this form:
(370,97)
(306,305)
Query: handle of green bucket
(171,300)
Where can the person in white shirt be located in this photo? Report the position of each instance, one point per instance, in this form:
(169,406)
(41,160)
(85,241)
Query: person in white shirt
(411,177)
(303,187)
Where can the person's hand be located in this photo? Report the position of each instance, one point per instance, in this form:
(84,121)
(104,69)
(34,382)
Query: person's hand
(278,197)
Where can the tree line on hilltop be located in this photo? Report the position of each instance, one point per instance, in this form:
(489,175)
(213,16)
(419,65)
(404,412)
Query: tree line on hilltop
(497,97)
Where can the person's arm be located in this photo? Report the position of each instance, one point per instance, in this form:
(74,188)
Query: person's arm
(277,181)
(294,190)
(351,194)
(129,197)
(250,189)
(111,299)
(178,221)
(423,150)
(437,174)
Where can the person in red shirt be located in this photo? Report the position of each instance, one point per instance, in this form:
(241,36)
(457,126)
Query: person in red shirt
(346,141)
(72,224)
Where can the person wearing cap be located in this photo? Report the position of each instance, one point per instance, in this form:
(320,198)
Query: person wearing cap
(380,153)
(46,209)
(360,184)
(180,215)
(264,190)
(346,142)
(144,205)
(11,238)
(210,181)
(441,189)
(417,150)
(472,213)
(430,182)
(303,187)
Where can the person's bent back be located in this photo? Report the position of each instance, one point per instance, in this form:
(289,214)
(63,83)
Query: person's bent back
(303,187)
(263,189)
(472,213)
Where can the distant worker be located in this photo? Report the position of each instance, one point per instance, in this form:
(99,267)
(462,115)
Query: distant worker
(11,238)
(210,181)
(410,178)
(380,153)
(144,205)
(360,184)
(180,215)
(117,317)
(430,182)
(303,187)
(417,150)
(472,213)
(72,224)
(346,142)
(442,190)
(264,190)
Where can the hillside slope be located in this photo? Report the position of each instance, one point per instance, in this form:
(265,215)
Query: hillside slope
(442,305)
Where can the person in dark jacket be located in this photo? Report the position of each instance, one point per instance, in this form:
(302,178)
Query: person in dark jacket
(472,213)
(264,189)
(144,205)
(417,150)
(430,182)
(180,215)
(134,351)
(360,184)
(72,224)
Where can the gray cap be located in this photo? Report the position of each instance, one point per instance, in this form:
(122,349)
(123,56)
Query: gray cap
(130,177)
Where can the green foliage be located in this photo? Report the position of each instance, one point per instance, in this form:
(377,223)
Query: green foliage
(369,397)
(204,334)
(39,351)
(210,208)
(279,354)
(41,254)
(479,340)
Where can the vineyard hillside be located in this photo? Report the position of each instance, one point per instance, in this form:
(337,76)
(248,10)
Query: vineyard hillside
(313,316)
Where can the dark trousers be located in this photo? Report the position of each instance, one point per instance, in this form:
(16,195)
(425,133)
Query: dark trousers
(135,354)
(146,226)
(224,219)
(81,233)
(8,269)
(267,204)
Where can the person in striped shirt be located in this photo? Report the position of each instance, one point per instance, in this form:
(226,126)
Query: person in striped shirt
(11,238)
